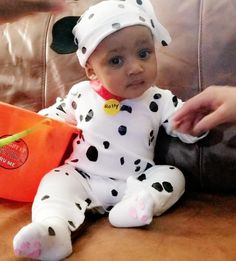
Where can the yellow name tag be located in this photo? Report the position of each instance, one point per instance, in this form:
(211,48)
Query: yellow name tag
(111,107)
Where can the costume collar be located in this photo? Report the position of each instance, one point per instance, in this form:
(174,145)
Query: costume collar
(103,92)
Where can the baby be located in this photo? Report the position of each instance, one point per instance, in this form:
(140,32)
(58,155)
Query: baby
(119,111)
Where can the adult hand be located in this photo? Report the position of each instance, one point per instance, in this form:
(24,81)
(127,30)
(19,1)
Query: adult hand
(11,10)
(212,107)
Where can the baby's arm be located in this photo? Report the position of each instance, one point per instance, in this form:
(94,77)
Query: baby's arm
(171,104)
(63,109)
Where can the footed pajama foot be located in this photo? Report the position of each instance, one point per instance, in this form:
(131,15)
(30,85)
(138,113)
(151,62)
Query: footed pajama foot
(133,211)
(30,249)
(43,242)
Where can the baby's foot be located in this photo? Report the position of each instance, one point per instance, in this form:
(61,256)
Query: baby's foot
(133,211)
(40,241)
(30,249)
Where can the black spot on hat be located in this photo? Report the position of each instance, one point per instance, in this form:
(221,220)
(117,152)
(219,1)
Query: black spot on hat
(137,169)
(122,130)
(142,177)
(81,117)
(114,193)
(139,2)
(157,96)
(171,167)
(89,115)
(84,50)
(51,231)
(164,43)
(157,186)
(167,186)
(116,25)
(92,153)
(175,101)
(142,19)
(153,106)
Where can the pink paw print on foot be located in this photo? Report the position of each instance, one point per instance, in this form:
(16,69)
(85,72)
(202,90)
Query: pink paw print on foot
(142,210)
(143,219)
(29,249)
(133,211)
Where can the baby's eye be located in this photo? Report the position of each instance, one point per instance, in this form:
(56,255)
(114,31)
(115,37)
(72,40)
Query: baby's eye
(144,53)
(116,60)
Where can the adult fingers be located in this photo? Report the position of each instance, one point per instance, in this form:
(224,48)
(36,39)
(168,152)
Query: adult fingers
(43,5)
(210,121)
(201,103)
(15,9)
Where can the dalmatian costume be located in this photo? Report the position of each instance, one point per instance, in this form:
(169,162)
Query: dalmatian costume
(111,168)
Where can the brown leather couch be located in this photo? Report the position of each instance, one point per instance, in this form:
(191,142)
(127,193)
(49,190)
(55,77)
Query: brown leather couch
(202,225)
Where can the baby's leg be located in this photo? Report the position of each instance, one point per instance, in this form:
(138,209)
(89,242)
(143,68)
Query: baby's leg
(47,240)
(57,210)
(155,191)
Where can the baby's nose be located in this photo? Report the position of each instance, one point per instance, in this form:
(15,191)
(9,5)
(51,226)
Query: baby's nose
(135,67)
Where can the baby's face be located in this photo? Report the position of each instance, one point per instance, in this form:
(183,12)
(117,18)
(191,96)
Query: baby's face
(125,62)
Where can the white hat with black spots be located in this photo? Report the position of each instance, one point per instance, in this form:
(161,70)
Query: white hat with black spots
(107,17)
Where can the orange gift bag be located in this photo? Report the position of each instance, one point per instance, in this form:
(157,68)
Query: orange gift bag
(30,146)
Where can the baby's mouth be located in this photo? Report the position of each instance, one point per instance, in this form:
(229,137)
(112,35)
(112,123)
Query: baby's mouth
(135,83)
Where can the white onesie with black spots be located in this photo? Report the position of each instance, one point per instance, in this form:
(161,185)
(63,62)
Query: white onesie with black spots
(110,150)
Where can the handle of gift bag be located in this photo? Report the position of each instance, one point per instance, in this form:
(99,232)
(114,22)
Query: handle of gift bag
(19,135)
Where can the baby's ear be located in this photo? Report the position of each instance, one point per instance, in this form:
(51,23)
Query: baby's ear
(62,36)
